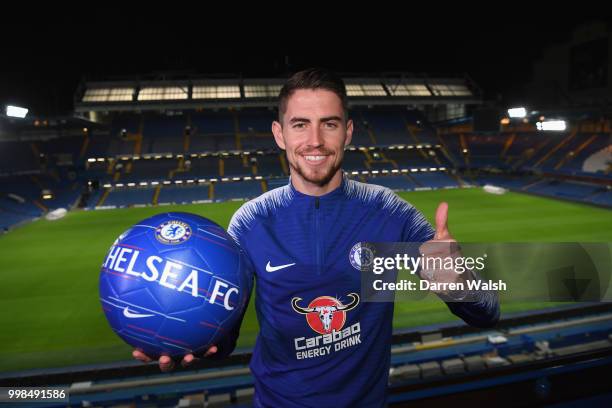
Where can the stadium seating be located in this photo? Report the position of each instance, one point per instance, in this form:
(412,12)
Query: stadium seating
(213,123)
(163,134)
(256,120)
(396,139)
(126,197)
(434,179)
(203,167)
(576,191)
(184,194)
(234,166)
(98,145)
(269,165)
(411,158)
(561,153)
(354,160)
(277,182)
(361,136)
(21,197)
(62,150)
(93,199)
(397,183)
(602,197)
(150,169)
(237,190)
(258,141)
(514,183)
(387,125)
(17,157)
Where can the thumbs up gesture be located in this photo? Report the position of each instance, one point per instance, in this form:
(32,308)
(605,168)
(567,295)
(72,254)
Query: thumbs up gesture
(442,233)
(437,252)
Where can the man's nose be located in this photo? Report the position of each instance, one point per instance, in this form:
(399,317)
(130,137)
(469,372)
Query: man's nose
(315,137)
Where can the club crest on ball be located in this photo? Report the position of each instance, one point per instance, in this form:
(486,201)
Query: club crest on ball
(173,232)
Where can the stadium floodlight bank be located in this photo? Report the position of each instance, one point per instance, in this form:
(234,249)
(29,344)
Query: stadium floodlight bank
(16,112)
(552,126)
(204,93)
(517,112)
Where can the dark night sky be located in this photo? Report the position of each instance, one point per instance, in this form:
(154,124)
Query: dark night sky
(43,73)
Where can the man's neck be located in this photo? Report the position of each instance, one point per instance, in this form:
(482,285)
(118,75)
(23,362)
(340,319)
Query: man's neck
(316,190)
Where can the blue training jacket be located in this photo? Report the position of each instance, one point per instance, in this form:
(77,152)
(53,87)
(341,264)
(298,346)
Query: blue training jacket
(319,344)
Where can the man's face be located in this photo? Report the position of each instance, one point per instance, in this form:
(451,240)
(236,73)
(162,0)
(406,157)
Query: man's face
(314,133)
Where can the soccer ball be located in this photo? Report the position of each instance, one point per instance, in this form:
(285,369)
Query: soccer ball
(173,284)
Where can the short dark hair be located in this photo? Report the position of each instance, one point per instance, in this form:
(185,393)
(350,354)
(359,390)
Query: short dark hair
(312,78)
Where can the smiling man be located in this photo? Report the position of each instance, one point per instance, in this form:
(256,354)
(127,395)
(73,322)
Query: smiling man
(313,130)
(320,344)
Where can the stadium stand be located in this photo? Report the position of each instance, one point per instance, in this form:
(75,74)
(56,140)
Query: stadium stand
(268,165)
(396,183)
(163,134)
(233,165)
(216,154)
(18,157)
(149,169)
(238,190)
(184,194)
(537,357)
(392,145)
(125,197)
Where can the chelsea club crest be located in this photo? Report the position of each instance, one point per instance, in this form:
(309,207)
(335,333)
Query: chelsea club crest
(173,232)
(361,256)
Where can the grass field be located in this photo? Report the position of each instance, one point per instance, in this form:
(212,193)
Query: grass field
(50,314)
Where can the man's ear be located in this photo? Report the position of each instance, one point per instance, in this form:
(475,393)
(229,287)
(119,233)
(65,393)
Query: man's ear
(349,132)
(277,131)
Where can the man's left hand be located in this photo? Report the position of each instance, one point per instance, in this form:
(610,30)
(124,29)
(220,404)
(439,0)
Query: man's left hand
(443,246)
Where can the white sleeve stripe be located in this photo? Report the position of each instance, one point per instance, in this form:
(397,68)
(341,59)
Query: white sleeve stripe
(370,193)
(264,205)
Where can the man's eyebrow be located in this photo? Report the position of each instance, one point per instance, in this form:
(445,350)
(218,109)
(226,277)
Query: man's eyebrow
(324,119)
(328,118)
(293,120)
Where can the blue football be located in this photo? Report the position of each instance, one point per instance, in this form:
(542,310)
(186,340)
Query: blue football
(173,284)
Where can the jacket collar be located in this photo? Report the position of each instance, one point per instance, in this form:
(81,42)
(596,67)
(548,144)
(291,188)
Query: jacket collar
(337,192)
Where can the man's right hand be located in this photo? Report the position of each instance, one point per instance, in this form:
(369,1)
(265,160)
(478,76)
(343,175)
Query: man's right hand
(166,363)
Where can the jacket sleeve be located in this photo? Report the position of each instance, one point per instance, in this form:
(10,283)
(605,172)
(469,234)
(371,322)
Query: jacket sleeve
(237,231)
(482,310)
(228,343)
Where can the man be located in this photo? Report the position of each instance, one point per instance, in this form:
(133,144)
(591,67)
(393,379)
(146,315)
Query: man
(320,344)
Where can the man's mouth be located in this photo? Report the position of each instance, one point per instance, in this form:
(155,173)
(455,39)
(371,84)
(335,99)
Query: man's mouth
(314,159)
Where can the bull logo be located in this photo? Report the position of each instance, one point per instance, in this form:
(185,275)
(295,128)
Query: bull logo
(325,313)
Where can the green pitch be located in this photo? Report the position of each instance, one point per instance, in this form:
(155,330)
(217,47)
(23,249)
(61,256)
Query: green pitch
(50,314)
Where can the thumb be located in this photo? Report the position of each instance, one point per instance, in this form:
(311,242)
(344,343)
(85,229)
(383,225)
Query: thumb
(442,222)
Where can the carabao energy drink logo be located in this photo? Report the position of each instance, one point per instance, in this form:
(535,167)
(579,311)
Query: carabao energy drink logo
(325,313)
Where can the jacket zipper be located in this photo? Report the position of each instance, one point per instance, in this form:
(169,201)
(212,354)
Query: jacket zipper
(317,237)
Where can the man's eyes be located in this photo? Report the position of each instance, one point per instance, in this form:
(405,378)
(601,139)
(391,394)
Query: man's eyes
(327,125)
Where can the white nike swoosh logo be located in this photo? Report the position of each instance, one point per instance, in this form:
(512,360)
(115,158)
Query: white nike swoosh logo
(270,268)
(127,313)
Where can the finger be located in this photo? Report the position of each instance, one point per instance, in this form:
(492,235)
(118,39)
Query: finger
(212,350)
(166,363)
(442,221)
(188,359)
(139,355)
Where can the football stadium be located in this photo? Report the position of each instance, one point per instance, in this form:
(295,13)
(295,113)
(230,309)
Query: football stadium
(538,174)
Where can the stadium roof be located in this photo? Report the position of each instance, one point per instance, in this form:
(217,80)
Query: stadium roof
(194,93)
